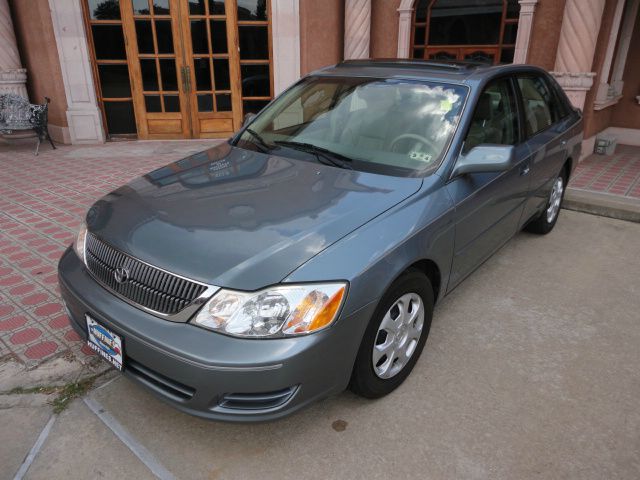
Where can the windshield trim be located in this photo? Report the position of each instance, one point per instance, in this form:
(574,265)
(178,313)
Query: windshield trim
(429,170)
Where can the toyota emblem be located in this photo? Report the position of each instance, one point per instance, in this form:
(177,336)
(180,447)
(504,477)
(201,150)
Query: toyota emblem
(121,274)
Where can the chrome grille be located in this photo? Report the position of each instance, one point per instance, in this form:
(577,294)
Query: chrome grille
(145,285)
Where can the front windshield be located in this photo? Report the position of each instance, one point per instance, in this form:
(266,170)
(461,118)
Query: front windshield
(390,126)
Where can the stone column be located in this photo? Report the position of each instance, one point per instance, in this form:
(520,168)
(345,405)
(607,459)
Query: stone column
(580,28)
(525,26)
(13,78)
(405,12)
(357,28)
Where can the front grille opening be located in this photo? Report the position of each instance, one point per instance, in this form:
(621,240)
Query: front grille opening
(257,401)
(171,388)
(145,285)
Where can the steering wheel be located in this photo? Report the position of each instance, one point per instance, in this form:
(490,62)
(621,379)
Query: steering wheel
(412,136)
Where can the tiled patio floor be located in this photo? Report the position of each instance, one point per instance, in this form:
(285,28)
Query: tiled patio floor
(42,201)
(618,174)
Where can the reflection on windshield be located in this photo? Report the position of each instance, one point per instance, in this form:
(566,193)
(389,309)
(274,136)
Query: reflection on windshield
(391,126)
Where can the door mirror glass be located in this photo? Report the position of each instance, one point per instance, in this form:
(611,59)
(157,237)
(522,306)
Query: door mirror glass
(485,159)
(248,118)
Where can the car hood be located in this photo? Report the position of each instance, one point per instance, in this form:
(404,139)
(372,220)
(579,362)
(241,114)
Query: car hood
(240,219)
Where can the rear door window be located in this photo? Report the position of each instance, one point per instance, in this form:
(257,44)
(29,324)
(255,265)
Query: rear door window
(538,102)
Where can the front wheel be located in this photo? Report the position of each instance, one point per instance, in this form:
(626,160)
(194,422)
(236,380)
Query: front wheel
(395,336)
(545,222)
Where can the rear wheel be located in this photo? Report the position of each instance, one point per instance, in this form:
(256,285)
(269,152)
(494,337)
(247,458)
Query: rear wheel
(395,336)
(547,219)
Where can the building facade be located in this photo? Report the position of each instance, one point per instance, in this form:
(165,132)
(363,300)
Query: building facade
(158,69)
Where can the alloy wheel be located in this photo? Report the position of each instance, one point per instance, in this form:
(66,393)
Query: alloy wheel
(555,198)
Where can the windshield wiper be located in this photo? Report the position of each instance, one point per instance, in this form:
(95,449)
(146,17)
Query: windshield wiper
(261,141)
(323,155)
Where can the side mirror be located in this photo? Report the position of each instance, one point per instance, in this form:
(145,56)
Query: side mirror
(248,118)
(485,159)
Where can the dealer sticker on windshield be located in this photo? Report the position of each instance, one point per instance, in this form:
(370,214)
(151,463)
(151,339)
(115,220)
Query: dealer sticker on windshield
(104,342)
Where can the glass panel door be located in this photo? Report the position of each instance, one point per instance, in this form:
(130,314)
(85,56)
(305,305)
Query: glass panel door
(210,39)
(155,60)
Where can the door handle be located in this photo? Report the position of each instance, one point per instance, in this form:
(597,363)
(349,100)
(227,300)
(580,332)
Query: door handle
(525,170)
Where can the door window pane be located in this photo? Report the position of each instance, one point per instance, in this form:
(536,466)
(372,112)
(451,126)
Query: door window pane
(421,10)
(221,74)
(205,102)
(253,106)
(196,7)
(144,34)
(506,56)
(168,74)
(252,9)
(465,22)
(536,98)
(219,36)
(199,36)
(161,7)
(223,102)
(114,81)
(120,117)
(254,42)
(216,7)
(104,9)
(495,118)
(140,7)
(510,33)
(149,75)
(202,73)
(513,9)
(418,53)
(255,80)
(108,42)
(171,103)
(164,36)
(419,36)
(152,103)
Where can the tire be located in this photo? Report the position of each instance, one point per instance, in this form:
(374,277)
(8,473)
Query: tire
(373,380)
(547,219)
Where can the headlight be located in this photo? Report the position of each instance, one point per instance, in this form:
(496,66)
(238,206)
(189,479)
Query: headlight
(81,239)
(277,311)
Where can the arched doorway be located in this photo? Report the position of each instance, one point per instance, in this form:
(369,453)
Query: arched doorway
(477,30)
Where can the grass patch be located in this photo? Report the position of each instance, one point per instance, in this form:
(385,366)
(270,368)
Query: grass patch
(65,393)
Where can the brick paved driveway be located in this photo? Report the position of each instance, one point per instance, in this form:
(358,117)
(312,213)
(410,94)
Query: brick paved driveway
(42,201)
(618,174)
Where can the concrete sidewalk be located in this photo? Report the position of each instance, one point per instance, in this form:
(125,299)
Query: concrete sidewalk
(531,370)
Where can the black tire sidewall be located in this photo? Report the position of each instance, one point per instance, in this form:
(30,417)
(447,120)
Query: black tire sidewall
(364,381)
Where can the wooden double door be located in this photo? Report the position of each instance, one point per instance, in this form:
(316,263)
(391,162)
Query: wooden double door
(188,75)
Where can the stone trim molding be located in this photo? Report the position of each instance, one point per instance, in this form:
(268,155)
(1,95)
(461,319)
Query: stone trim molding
(525,27)
(13,78)
(576,85)
(285,25)
(357,28)
(523,38)
(83,115)
(626,30)
(604,95)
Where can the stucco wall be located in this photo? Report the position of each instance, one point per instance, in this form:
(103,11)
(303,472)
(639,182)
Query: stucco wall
(321,33)
(545,33)
(39,55)
(384,28)
(597,120)
(626,113)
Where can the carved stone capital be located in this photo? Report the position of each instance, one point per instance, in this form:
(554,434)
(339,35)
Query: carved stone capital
(576,85)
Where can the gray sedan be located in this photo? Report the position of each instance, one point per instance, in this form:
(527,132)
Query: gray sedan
(305,255)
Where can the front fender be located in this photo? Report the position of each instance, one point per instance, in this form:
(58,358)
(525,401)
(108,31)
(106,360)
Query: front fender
(371,257)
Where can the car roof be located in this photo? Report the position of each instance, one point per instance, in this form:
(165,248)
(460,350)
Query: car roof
(452,71)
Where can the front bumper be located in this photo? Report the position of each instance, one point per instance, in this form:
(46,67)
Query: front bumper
(212,375)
